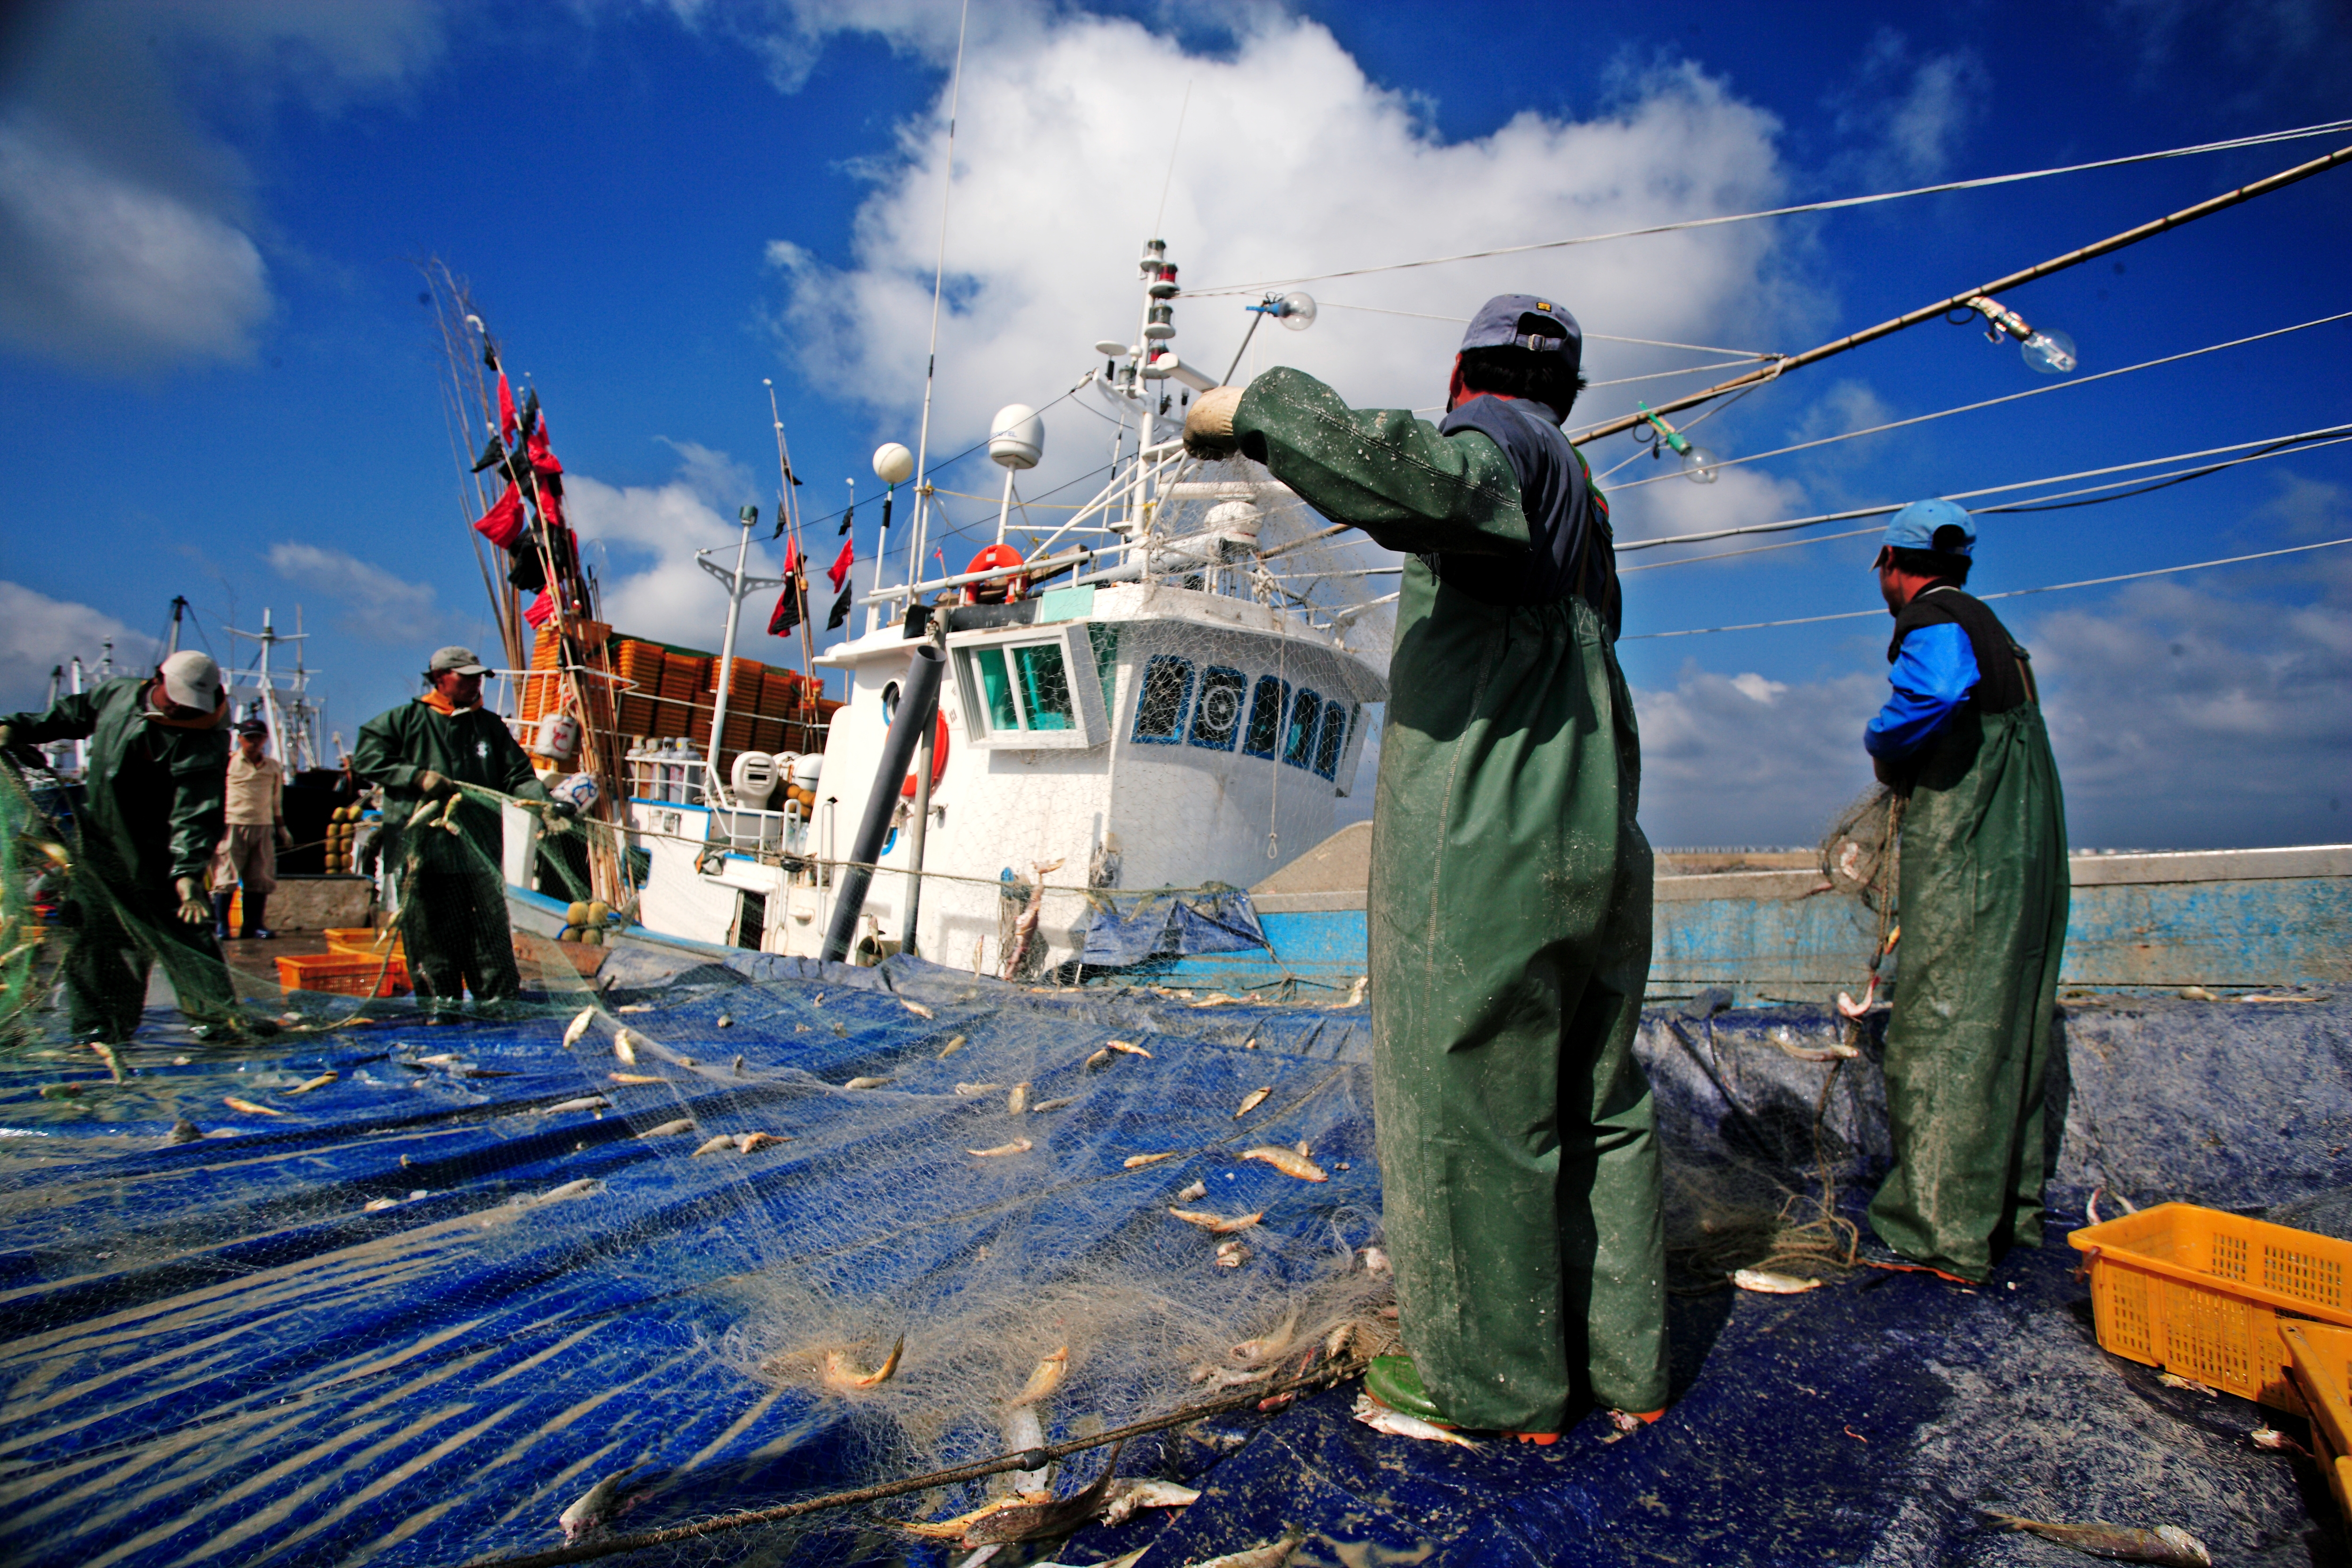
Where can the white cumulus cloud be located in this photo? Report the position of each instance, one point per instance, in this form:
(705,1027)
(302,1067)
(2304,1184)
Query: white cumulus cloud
(641,539)
(373,604)
(37,634)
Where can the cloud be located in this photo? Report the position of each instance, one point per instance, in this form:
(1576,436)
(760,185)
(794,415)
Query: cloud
(1906,120)
(39,633)
(1746,761)
(375,605)
(643,539)
(717,478)
(125,240)
(1291,162)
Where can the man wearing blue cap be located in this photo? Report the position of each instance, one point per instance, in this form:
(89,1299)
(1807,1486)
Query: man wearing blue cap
(1982,899)
(1510,887)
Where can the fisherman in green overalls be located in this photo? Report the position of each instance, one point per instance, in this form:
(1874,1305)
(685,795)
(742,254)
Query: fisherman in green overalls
(452,887)
(1981,897)
(150,817)
(1510,888)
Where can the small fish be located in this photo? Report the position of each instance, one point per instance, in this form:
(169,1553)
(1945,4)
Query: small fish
(1016,1101)
(1219,1378)
(748,1142)
(955,1044)
(1356,989)
(586,1103)
(719,1144)
(377,1206)
(1251,1100)
(1018,1146)
(637,1078)
(1137,1162)
(1397,1424)
(634,1008)
(1231,1255)
(183,1132)
(1764,1282)
(2197,993)
(1834,1051)
(446,1058)
(578,1027)
(1193,1193)
(593,1507)
(1273,1555)
(1289,1162)
(106,1054)
(580,1188)
(974,1090)
(1140,1495)
(1266,1347)
(2271,1440)
(726,1020)
(1044,1378)
(1127,1047)
(1036,1520)
(322,1081)
(917,1008)
(1217,1224)
(670,1129)
(1044,1106)
(625,1046)
(1100,1058)
(1215,999)
(233,1103)
(1376,1260)
(866,1083)
(57,855)
(1335,1342)
(953,1528)
(424,809)
(739,1068)
(2174,1380)
(845,1375)
(2165,1545)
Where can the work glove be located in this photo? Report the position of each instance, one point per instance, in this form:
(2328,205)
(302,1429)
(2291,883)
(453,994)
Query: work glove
(561,811)
(1209,427)
(194,910)
(431,785)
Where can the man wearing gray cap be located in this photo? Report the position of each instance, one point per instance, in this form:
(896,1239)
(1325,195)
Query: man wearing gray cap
(1510,887)
(150,817)
(246,859)
(452,886)
(1982,897)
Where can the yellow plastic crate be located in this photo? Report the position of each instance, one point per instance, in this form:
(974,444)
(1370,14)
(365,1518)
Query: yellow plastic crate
(2321,1359)
(2200,1293)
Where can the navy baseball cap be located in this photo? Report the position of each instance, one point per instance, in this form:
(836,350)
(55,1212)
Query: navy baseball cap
(254,727)
(1501,323)
(1942,526)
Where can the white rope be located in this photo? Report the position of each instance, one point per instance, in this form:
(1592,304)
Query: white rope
(2011,594)
(1982,183)
(1993,402)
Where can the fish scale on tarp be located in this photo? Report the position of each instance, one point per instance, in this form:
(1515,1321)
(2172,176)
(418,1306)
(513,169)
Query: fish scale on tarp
(213,1353)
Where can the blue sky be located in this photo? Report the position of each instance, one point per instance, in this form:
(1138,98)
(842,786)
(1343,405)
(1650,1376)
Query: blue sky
(217,380)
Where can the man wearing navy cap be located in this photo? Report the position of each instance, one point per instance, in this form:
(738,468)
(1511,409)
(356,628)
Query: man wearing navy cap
(1510,887)
(1982,903)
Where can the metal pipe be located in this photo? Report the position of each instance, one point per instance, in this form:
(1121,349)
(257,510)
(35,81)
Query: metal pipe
(918,831)
(2148,230)
(918,699)
(714,788)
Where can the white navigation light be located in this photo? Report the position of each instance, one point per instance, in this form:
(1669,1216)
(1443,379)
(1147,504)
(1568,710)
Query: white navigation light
(1016,437)
(2050,353)
(1295,310)
(1700,466)
(893,464)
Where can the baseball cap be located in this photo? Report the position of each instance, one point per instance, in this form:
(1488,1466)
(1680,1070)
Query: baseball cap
(1501,323)
(1942,526)
(460,659)
(253,727)
(193,680)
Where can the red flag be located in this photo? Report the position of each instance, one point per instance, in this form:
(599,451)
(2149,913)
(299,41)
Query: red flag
(540,611)
(839,571)
(503,523)
(787,613)
(543,456)
(507,424)
(792,556)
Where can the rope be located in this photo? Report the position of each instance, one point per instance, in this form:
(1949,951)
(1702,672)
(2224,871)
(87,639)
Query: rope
(1981,182)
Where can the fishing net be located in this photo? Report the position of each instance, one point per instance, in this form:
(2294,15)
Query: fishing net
(1860,851)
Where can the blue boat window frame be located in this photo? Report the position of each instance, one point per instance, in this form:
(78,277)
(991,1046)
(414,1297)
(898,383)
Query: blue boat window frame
(1175,736)
(1258,696)
(1201,703)
(1330,744)
(1308,732)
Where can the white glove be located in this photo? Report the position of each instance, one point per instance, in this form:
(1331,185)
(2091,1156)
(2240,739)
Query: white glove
(1209,427)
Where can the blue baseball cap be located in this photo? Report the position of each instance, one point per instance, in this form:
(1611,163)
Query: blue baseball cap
(1501,323)
(1923,525)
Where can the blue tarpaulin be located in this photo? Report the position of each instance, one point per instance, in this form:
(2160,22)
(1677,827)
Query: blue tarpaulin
(1169,926)
(410,1318)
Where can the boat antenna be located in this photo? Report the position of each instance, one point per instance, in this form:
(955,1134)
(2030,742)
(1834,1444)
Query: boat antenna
(1158,222)
(932,362)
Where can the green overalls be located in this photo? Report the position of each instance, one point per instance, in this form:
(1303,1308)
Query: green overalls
(152,812)
(1509,915)
(453,906)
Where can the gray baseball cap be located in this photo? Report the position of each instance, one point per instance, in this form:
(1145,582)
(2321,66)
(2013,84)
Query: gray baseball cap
(1501,323)
(459,660)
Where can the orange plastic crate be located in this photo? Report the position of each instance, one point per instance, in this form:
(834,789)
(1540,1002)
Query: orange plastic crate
(345,974)
(362,938)
(2201,1293)
(2321,1360)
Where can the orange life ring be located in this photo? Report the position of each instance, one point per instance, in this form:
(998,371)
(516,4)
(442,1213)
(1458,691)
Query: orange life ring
(1005,589)
(939,760)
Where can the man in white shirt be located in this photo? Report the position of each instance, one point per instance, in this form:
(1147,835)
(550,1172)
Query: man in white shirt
(254,832)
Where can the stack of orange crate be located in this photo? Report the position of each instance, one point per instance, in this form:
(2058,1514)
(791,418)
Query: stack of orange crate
(641,665)
(542,688)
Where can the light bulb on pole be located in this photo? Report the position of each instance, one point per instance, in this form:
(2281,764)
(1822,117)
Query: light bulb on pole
(1699,464)
(2046,350)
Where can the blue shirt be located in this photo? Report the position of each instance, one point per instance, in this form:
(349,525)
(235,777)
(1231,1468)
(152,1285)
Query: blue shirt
(1933,673)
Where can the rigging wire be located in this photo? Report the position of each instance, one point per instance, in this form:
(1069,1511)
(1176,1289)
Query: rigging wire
(1993,401)
(918,533)
(1744,355)
(1980,183)
(2011,594)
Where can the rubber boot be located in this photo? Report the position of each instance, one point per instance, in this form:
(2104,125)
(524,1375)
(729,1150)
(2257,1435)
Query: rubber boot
(220,916)
(255,906)
(1395,1382)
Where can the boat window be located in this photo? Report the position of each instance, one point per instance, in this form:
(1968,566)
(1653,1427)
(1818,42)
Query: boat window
(1045,686)
(1299,741)
(1167,693)
(891,703)
(1266,703)
(995,688)
(1217,721)
(1105,642)
(1334,743)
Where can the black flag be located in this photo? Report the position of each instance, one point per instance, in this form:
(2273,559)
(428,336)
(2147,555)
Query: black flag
(788,606)
(847,518)
(840,617)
